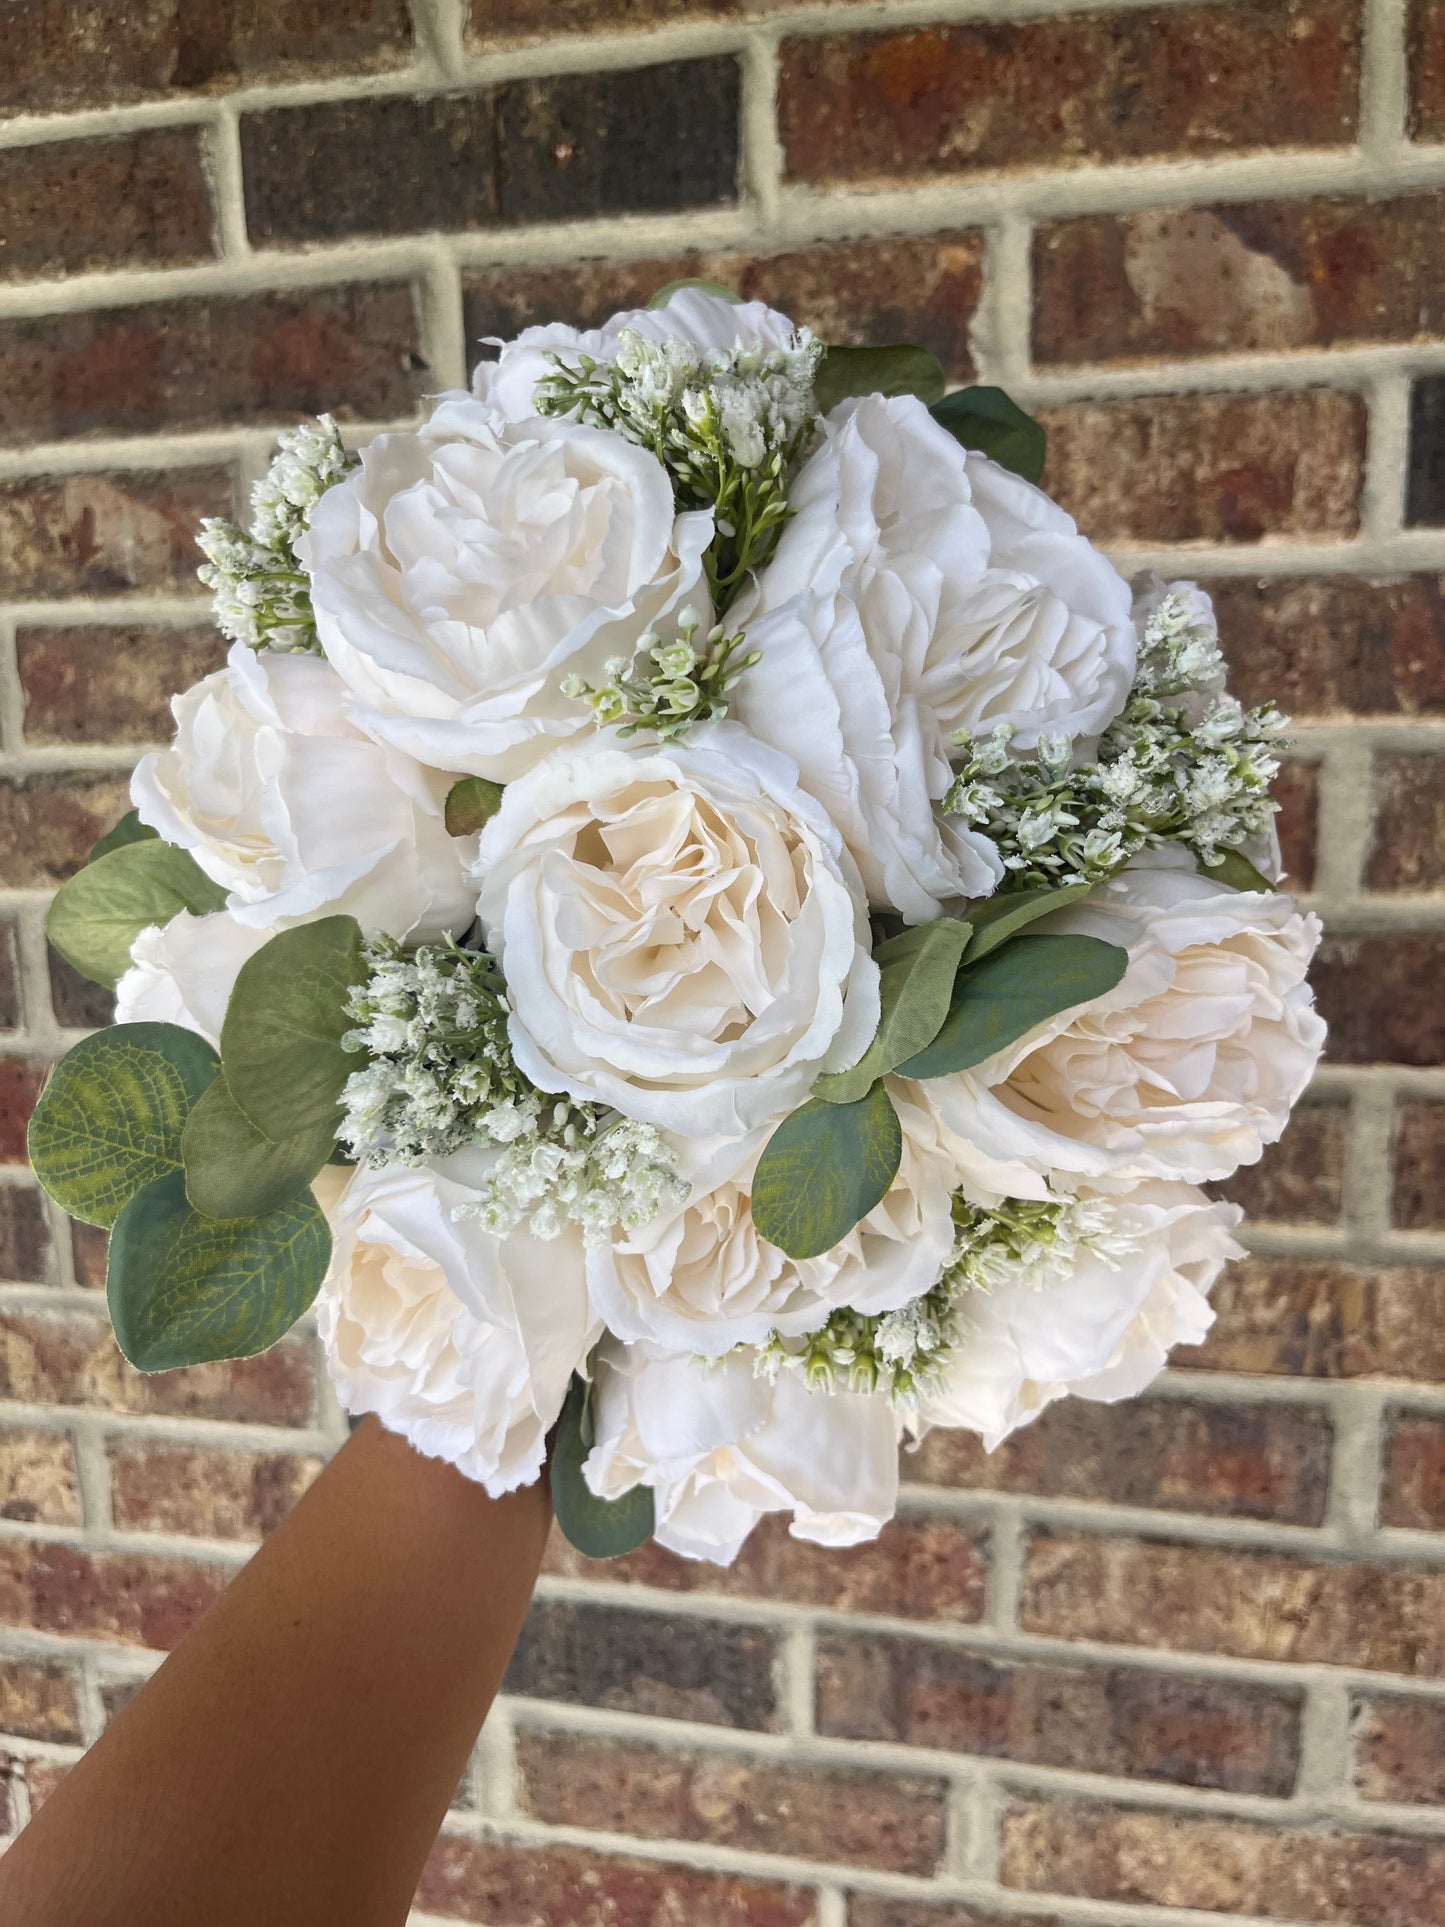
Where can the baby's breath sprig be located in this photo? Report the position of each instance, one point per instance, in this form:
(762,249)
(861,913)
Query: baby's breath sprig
(666,687)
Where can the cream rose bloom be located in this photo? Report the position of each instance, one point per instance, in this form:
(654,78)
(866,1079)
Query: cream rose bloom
(1187,1069)
(463,1343)
(464,571)
(183,972)
(684,937)
(720,1447)
(289,807)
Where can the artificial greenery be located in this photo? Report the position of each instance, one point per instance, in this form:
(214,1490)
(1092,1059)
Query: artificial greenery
(598,1528)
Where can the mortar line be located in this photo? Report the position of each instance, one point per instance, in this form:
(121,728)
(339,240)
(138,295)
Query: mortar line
(222,162)
(760,150)
(1384,81)
(437,28)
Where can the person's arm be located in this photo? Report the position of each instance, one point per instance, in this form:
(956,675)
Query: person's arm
(292,1761)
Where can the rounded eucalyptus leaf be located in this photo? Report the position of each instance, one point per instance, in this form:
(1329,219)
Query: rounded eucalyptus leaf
(1021,984)
(235,1171)
(281,1040)
(898,370)
(130,829)
(823,1169)
(598,1528)
(1235,870)
(1003,917)
(985,419)
(471,803)
(916,973)
(97,915)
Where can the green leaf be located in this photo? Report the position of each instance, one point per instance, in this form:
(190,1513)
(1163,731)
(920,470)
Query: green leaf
(823,1169)
(281,1041)
(233,1170)
(985,419)
(665,293)
(130,829)
(184,1289)
(898,370)
(109,1120)
(598,1528)
(471,803)
(1003,917)
(96,917)
(916,973)
(1013,988)
(1234,869)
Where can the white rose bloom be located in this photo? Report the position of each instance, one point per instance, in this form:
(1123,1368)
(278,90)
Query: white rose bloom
(1187,1069)
(701,1279)
(464,571)
(683,935)
(284,803)
(721,1446)
(183,972)
(463,1343)
(1099,1326)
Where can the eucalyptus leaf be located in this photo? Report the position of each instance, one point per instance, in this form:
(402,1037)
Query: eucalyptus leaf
(916,973)
(235,1171)
(1235,869)
(281,1040)
(184,1290)
(110,1119)
(823,1169)
(97,915)
(901,369)
(598,1528)
(1021,984)
(471,803)
(130,829)
(1003,917)
(670,288)
(985,419)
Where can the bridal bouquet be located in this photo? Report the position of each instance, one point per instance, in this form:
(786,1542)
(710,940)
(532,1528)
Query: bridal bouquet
(701,916)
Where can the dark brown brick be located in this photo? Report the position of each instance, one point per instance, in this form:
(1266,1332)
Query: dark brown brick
(89,1250)
(1299,1180)
(1427,69)
(48,825)
(21,1080)
(1231,1461)
(1380,996)
(136,1601)
(651,1793)
(38,1480)
(11,1003)
(1399,1749)
(1419,1160)
(1209,468)
(24,1237)
(204,1493)
(137,200)
(675,1668)
(1250,1605)
(92,53)
(1224,1866)
(202,363)
(1156,82)
(1335,645)
(77,1002)
(1299,1318)
(1297,791)
(111,685)
(107,534)
(1413,1484)
(1407,847)
(40,1702)
(490,21)
(1425,466)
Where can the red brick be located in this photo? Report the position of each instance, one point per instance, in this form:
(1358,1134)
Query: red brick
(1304,1319)
(1299,1180)
(42,1777)
(116,1596)
(40,1702)
(110,685)
(137,200)
(24,1237)
(49,823)
(881,1910)
(1161,82)
(20,1085)
(77,1002)
(107,534)
(1232,1461)
(10,1010)
(1249,1605)
(1209,468)
(514,1886)
(1399,1749)
(1335,645)
(1419,1159)
(89,1249)
(1223,1866)
(1380,996)
(38,1482)
(1407,848)
(205,363)
(1297,791)
(1413,1483)
(1427,69)
(651,1793)
(208,1494)
(1116,1720)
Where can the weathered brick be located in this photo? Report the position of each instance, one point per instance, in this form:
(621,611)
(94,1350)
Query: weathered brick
(116,1695)
(1250,1605)
(1209,468)
(924,289)
(1427,69)
(77,1002)
(89,1249)
(110,685)
(1419,1158)
(11,1006)
(1245,277)
(208,1494)
(918,1568)
(1231,1461)
(1297,791)
(54,1360)
(1105,86)
(1380,996)
(107,534)
(136,200)
(201,363)
(20,1084)
(120,1596)
(92,53)
(1399,1748)
(883,1910)
(42,1777)
(1335,645)
(1407,845)
(490,21)
(49,823)
(38,1481)
(653,1793)
(1117,1720)
(40,1702)
(24,1237)
(689,1669)
(1425,470)
(1304,1319)
(1223,1866)
(1413,1482)
(1299,1180)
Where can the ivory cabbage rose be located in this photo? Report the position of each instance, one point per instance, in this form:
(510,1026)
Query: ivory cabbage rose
(287,805)
(720,1447)
(183,972)
(463,1343)
(464,571)
(683,936)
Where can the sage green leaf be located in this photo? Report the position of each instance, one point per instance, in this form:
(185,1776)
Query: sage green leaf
(1003,917)
(666,292)
(471,803)
(281,1041)
(898,370)
(235,1171)
(1013,988)
(1234,869)
(823,1169)
(985,419)
(110,1118)
(916,973)
(96,916)
(184,1290)
(598,1528)
(130,829)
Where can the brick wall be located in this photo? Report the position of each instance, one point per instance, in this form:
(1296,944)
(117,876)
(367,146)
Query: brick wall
(1178,1660)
